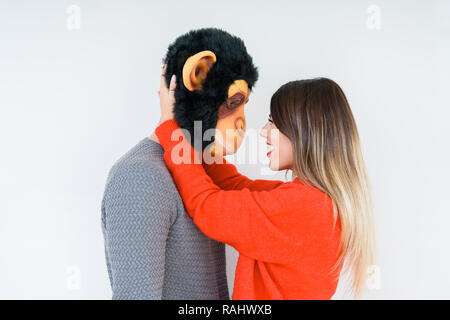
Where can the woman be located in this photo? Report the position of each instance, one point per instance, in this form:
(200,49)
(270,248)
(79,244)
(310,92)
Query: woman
(294,237)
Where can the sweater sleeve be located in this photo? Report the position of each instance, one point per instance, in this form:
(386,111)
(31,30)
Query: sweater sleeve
(226,177)
(243,219)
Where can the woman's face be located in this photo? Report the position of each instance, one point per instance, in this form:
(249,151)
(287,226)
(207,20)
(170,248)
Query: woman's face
(281,156)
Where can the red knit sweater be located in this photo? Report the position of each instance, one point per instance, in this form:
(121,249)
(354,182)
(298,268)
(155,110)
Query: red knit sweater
(285,233)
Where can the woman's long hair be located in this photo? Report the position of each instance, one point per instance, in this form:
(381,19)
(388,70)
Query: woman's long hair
(315,115)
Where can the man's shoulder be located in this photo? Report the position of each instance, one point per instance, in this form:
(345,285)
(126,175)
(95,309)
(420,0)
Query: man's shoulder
(140,187)
(141,169)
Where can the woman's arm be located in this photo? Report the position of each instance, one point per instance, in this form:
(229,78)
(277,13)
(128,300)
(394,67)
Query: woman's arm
(243,219)
(226,177)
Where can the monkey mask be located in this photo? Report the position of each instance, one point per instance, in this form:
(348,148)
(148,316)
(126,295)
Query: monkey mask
(215,76)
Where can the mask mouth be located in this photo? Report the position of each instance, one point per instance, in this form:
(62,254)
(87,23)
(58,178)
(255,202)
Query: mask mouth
(239,124)
(219,142)
(241,133)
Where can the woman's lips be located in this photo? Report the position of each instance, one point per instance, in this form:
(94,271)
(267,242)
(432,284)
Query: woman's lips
(268,153)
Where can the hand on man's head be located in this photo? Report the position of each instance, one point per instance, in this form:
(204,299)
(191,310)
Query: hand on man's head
(167,97)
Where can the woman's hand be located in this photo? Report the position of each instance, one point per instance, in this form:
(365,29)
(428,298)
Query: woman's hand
(167,98)
(166,101)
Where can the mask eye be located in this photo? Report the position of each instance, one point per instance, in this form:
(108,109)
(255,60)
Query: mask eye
(235,101)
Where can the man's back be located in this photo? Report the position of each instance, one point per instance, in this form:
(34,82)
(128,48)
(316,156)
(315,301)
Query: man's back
(153,249)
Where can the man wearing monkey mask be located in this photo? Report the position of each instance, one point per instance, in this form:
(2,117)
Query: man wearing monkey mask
(153,249)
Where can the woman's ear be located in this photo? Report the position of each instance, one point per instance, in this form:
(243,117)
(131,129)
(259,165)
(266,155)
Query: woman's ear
(196,69)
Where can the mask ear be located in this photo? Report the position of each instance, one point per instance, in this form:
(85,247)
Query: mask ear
(196,68)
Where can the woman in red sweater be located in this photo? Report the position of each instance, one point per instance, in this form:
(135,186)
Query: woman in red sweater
(293,237)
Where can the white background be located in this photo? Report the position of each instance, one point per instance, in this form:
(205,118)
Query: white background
(73,101)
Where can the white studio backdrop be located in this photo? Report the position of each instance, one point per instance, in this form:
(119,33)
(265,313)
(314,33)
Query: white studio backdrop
(78,83)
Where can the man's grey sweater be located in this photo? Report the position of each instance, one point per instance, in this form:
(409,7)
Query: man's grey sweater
(153,249)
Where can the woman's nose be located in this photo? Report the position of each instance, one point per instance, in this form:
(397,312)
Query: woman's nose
(263,132)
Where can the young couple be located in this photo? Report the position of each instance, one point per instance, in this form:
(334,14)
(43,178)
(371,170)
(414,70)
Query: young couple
(292,237)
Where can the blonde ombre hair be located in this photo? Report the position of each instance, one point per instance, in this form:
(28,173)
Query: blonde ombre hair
(315,115)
